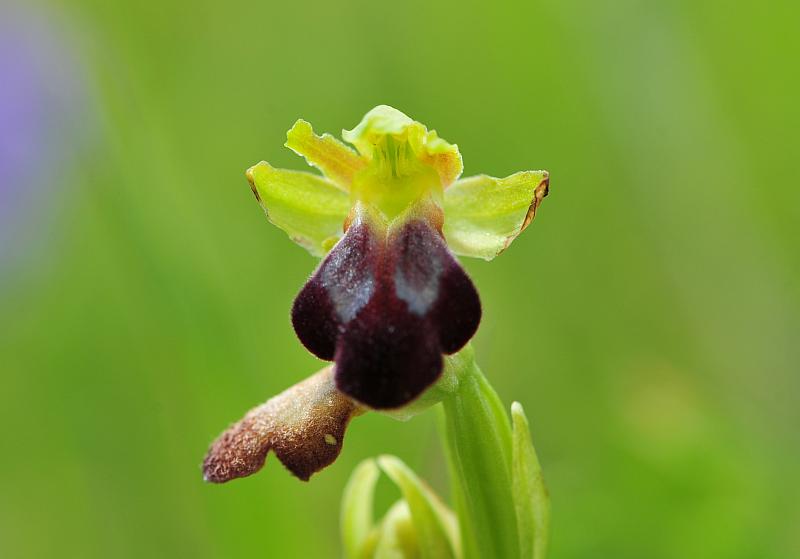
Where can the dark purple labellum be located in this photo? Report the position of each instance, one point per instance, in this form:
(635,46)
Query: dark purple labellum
(385,306)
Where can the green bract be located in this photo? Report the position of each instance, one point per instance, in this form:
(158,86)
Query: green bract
(418,525)
(498,488)
(397,162)
(530,494)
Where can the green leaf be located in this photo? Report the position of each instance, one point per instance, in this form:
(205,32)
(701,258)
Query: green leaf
(310,209)
(478,434)
(483,214)
(435,526)
(338,162)
(356,514)
(531,500)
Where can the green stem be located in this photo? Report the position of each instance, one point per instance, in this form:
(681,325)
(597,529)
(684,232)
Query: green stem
(479,443)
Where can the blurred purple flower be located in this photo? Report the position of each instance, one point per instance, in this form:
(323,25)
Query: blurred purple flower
(39,105)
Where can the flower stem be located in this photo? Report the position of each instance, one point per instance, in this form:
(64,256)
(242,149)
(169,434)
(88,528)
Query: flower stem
(479,442)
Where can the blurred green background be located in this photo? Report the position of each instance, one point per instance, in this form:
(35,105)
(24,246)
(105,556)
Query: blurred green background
(648,320)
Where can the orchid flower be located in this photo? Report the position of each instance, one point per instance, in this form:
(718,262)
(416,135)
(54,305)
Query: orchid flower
(393,310)
(390,298)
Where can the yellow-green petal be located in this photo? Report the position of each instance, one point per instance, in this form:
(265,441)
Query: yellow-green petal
(337,162)
(483,214)
(310,209)
(531,500)
(384,121)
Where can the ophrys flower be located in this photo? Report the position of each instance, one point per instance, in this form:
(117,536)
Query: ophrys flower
(389,303)
(389,298)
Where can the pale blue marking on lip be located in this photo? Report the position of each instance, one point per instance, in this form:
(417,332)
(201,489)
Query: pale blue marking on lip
(419,268)
(348,274)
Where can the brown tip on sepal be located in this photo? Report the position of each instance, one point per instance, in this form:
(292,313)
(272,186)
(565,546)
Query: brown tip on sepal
(539,193)
(251,179)
(304,426)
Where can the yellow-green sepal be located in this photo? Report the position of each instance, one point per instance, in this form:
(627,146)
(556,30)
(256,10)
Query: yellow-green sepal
(308,208)
(483,214)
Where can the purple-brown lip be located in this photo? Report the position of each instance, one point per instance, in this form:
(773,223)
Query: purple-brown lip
(385,304)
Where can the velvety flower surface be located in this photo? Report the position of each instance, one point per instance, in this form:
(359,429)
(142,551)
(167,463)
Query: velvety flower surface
(303,425)
(389,298)
(385,304)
